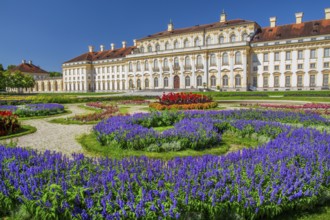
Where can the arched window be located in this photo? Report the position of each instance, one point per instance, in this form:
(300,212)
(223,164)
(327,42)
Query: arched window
(146,83)
(176,63)
(142,49)
(187,61)
(199,81)
(138,66)
(225,80)
(138,84)
(221,39)
(155,82)
(225,59)
(213,81)
(186,43)
(146,65)
(238,80)
(156,64)
(157,47)
(165,62)
(199,61)
(244,36)
(197,42)
(209,40)
(130,67)
(233,38)
(176,44)
(149,48)
(238,58)
(165,82)
(167,46)
(213,61)
(187,81)
(130,83)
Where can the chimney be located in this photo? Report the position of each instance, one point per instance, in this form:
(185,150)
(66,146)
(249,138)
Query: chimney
(124,44)
(30,62)
(299,17)
(112,46)
(91,49)
(223,16)
(170,26)
(102,48)
(134,41)
(272,21)
(23,61)
(327,13)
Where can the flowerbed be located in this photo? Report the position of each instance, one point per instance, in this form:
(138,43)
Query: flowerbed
(291,172)
(30,110)
(159,106)
(133,102)
(182,98)
(108,111)
(195,129)
(8,123)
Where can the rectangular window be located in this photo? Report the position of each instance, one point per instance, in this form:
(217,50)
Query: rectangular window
(326,80)
(312,80)
(300,66)
(265,57)
(277,56)
(255,68)
(255,81)
(265,68)
(255,58)
(265,81)
(276,67)
(287,81)
(300,55)
(288,67)
(276,81)
(300,80)
(313,54)
(327,52)
(312,66)
(288,55)
(326,65)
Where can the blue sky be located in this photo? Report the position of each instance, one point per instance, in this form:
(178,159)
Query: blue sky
(50,32)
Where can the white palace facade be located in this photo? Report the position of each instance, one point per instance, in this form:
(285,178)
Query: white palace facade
(228,55)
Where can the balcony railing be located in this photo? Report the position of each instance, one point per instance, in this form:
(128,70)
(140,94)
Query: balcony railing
(199,66)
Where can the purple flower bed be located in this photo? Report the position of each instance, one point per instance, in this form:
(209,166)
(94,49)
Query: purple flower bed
(195,129)
(30,110)
(291,172)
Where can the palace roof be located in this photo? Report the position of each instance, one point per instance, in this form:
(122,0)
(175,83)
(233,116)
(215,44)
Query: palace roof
(28,68)
(304,29)
(102,55)
(197,28)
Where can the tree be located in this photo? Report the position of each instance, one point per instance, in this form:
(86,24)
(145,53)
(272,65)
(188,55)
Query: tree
(1,68)
(10,67)
(18,80)
(55,74)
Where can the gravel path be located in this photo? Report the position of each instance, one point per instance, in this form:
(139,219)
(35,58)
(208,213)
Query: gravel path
(53,136)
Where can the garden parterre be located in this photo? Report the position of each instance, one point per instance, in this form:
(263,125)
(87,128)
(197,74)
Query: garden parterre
(30,110)
(291,172)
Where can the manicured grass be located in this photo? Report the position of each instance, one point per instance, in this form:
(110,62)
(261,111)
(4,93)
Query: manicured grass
(66,112)
(70,121)
(24,130)
(229,143)
(97,110)
(161,129)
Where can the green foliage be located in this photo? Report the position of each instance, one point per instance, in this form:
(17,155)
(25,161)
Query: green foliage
(16,80)
(55,74)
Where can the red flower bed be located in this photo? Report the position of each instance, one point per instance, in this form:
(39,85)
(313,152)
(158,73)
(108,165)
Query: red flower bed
(207,105)
(182,98)
(109,111)
(8,123)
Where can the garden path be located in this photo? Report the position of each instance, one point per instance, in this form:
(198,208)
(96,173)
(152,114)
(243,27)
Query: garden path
(53,136)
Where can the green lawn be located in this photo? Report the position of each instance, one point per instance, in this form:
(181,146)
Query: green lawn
(24,130)
(229,143)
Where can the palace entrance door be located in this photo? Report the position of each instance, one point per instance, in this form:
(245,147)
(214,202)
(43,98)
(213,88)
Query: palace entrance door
(176,82)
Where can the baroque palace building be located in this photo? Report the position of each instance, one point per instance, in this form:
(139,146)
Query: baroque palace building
(228,55)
